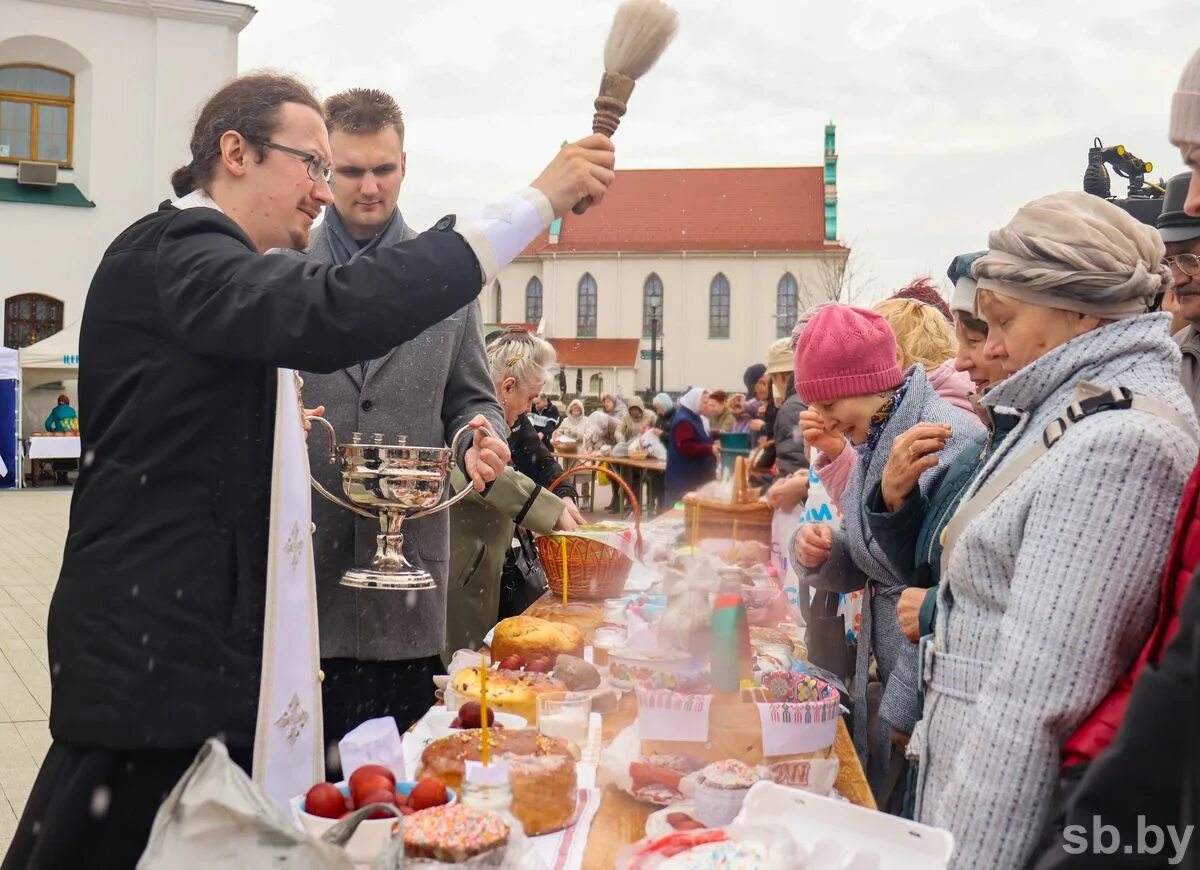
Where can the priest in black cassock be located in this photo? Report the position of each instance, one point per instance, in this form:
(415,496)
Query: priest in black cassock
(155,629)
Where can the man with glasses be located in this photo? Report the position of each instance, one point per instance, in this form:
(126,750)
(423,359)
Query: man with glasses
(1181,234)
(379,652)
(157,627)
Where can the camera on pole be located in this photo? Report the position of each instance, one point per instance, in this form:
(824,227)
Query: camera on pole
(1143,199)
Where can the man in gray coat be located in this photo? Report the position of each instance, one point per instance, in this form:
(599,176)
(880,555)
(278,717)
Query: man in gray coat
(380,649)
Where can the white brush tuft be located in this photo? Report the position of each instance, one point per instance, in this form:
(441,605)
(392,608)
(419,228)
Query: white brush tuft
(641,30)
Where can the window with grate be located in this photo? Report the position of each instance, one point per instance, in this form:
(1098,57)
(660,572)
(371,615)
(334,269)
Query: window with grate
(718,307)
(29,318)
(787,302)
(585,314)
(37,114)
(533,300)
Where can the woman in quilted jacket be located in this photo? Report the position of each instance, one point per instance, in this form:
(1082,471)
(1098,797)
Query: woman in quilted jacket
(1051,566)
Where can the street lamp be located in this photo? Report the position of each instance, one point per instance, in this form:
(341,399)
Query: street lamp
(653,350)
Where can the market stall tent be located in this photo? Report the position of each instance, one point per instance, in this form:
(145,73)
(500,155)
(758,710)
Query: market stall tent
(52,359)
(10,418)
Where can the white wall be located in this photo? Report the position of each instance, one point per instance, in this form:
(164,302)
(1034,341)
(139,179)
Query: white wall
(690,357)
(139,82)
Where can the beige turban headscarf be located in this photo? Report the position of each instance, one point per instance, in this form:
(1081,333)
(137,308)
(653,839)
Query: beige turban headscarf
(1075,252)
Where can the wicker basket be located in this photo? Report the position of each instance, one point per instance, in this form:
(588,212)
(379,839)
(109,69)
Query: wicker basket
(595,570)
(744,519)
(566,445)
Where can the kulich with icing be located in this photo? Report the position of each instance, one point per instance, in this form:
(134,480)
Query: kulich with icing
(455,833)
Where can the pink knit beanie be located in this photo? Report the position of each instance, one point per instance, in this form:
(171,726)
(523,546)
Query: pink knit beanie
(845,352)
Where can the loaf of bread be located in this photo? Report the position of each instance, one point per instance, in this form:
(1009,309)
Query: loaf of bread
(508,691)
(540,770)
(531,638)
(581,614)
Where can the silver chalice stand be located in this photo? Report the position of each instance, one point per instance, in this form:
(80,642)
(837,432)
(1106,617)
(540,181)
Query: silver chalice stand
(390,483)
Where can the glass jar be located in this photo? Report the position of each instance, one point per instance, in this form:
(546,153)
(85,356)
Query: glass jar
(606,639)
(494,796)
(487,788)
(615,611)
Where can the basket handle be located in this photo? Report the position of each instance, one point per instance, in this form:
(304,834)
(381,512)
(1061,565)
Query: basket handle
(637,508)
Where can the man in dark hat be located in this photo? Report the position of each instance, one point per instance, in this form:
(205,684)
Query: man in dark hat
(1181,234)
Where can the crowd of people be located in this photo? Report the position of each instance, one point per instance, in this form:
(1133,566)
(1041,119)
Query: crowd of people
(1015,473)
(1012,471)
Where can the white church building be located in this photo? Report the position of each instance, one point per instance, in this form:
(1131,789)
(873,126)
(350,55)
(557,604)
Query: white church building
(726,257)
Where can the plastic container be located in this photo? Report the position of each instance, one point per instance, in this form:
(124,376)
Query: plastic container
(834,833)
(627,665)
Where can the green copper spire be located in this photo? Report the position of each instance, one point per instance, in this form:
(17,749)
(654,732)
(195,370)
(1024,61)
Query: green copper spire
(831,182)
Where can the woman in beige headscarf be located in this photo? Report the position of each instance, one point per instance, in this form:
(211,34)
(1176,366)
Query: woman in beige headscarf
(1053,561)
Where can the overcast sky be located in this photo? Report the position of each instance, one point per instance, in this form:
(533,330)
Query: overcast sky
(950,113)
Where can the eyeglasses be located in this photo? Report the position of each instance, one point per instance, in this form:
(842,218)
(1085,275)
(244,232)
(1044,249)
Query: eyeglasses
(319,169)
(1187,264)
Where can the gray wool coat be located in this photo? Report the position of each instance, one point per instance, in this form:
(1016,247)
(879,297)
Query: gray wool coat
(1051,590)
(857,560)
(425,390)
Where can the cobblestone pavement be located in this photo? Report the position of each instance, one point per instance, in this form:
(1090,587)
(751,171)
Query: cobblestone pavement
(33,527)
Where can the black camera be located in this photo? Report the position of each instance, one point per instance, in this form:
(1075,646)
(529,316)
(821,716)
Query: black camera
(1144,199)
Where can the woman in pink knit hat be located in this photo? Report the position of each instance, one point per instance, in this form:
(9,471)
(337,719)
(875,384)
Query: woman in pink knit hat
(847,371)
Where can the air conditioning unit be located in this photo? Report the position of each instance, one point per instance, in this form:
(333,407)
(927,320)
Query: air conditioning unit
(34,172)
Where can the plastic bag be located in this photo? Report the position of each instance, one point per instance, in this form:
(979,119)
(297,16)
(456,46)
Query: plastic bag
(819,508)
(216,818)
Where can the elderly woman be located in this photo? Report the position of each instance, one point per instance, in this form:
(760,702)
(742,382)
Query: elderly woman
(490,578)
(1052,564)
(691,448)
(636,420)
(847,371)
(573,423)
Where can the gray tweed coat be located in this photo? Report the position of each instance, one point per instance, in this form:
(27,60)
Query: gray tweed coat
(1050,591)
(857,557)
(426,390)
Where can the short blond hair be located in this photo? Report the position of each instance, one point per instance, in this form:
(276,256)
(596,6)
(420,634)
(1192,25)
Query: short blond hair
(922,334)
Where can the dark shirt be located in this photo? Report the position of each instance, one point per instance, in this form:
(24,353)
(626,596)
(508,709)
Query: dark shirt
(533,458)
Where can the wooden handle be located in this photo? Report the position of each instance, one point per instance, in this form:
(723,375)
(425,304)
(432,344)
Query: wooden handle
(610,105)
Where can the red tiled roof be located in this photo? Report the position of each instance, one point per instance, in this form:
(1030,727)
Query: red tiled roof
(763,209)
(596,352)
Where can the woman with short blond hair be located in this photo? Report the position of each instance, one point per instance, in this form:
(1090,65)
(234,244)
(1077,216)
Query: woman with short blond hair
(925,338)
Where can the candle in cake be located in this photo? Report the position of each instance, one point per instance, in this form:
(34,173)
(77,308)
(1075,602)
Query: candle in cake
(562,541)
(483,712)
(695,526)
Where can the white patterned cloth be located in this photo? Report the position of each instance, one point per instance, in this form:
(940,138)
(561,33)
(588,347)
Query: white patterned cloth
(1050,591)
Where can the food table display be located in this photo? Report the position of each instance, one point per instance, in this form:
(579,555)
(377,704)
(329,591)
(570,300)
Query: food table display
(655,728)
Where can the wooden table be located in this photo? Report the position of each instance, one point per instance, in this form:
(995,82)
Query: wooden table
(621,820)
(640,466)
